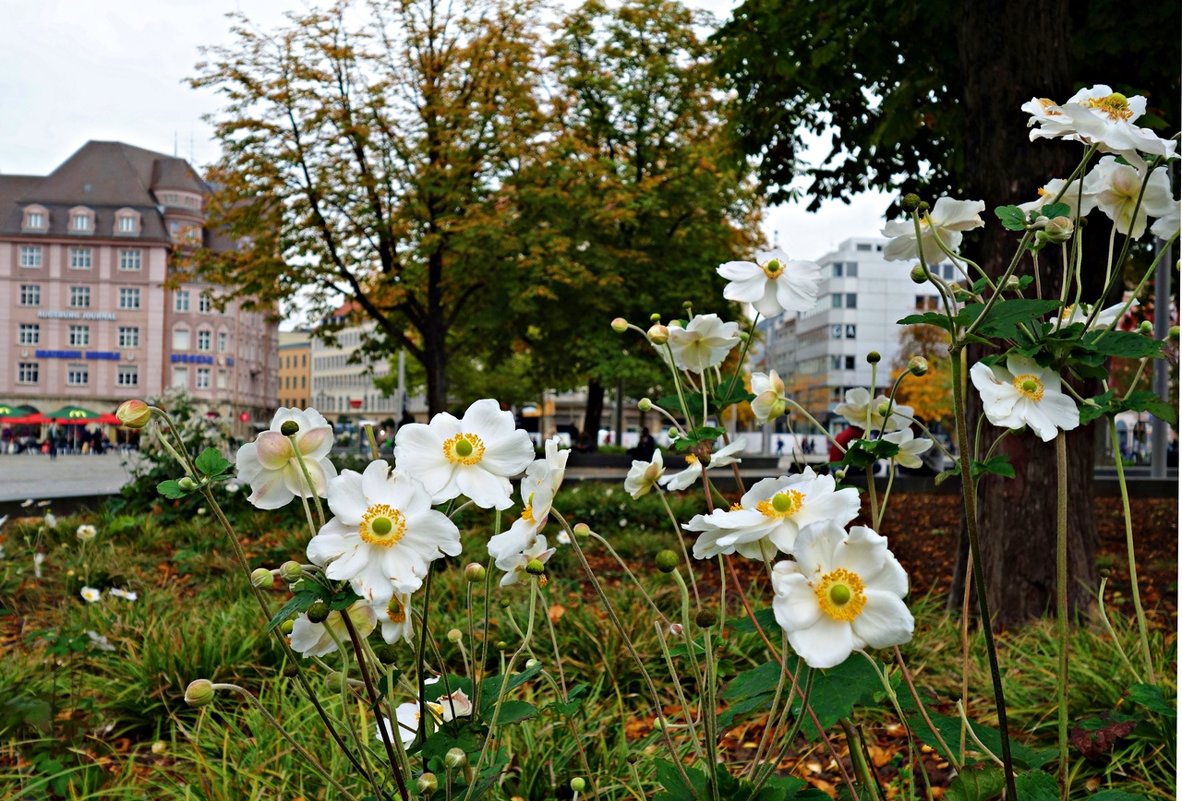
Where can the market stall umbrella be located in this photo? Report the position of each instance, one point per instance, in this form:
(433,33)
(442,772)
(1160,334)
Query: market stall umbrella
(7,411)
(109,419)
(73,415)
(36,419)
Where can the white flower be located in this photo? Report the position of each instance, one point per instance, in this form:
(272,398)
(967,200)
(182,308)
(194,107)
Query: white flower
(843,593)
(384,535)
(772,283)
(1022,393)
(702,344)
(473,457)
(316,639)
(126,595)
(1079,196)
(1078,313)
(720,458)
(407,715)
(947,221)
(272,469)
(562,538)
(910,447)
(396,618)
(1168,223)
(643,476)
(50,520)
(540,484)
(86,533)
(90,594)
(869,415)
(38,558)
(1118,187)
(1098,116)
(99,641)
(450,707)
(775,510)
(770,400)
(27,502)
(514,565)
(232,487)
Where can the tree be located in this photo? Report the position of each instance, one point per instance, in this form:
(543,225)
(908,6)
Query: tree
(926,96)
(368,161)
(636,199)
(929,395)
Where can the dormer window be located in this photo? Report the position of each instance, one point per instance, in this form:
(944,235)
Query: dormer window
(81,220)
(127,222)
(36,219)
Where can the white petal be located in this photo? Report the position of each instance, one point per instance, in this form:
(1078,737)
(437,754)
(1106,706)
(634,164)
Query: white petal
(486,490)
(346,499)
(795,603)
(485,418)
(884,620)
(825,644)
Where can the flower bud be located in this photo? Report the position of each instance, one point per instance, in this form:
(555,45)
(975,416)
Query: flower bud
(336,681)
(199,692)
(658,334)
(386,653)
(504,603)
(619,325)
(918,274)
(261,577)
(290,669)
(535,567)
(290,571)
(474,572)
(289,428)
(159,747)
(645,405)
(531,663)
(1146,327)
(454,635)
(187,483)
(655,317)
(428,784)
(501,645)
(1058,229)
(134,413)
(917,365)
(578,785)
(582,530)
(1173,334)
(455,758)
(744,336)
(676,629)
(923,207)
(910,202)
(706,618)
(873,357)
(286,626)
(318,612)
(666,561)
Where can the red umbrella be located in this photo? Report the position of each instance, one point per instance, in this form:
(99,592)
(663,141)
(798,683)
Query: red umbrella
(37,419)
(109,419)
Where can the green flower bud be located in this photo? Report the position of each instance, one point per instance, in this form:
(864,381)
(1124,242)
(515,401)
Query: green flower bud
(501,645)
(428,784)
(1173,333)
(318,612)
(289,428)
(1058,229)
(917,365)
(504,603)
(658,334)
(336,681)
(290,669)
(706,618)
(534,567)
(578,785)
(619,325)
(187,483)
(582,530)
(474,572)
(455,758)
(286,626)
(290,571)
(454,635)
(923,207)
(199,692)
(1146,327)
(910,202)
(873,357)
(386,653)
(261,577)
(645,405)
(654,318)
(531,663)
(918,275)
(667,561)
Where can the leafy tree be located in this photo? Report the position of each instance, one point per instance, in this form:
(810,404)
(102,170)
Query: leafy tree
(930,395)
(368,160)
(926,96)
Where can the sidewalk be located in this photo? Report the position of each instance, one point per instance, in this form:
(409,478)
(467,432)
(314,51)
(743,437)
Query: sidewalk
(35,475)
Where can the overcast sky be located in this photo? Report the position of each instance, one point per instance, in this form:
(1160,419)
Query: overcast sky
(72,70)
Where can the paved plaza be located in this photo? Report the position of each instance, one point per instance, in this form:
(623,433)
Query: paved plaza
(35,475)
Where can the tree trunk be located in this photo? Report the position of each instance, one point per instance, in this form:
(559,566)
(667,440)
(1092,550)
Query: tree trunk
(1011,52)
(593,414)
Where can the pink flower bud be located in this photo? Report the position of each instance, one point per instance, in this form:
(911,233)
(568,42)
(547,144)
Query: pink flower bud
(274,450)
(134,413)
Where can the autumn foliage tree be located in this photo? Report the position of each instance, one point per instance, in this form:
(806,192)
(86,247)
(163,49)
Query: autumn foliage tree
(930,395)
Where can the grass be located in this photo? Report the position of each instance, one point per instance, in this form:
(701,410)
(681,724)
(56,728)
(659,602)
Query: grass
(79,722)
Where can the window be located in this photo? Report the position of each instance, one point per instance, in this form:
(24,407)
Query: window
(223,341)
(30,256)
(204,339)
(851,332)
(834,362)
(180,339)
(180,376)
(30,334)
(79,258)
(926,303)
(128,375)
(30,294)
(35,220)
(849,362)
(27,373)
(79,336)
(130,259)
(835,331)
(80,223)
(129,298)
(864,247)
(202,378)
(204,303)
(129,336)
(127,224)
(851,300)
(949,272)
(180,301)
(78,375)
(221,379)
(851,269)
(837,269)
(836,301)
(80,297)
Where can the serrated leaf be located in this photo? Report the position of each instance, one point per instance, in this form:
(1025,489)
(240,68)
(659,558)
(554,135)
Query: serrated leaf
(1006,316)
(1122,344)
(514,711)
(675,786)
(211,463)
(1036,786)
(672,403)
(927,318)
(756,681)
(1053,210)
(765,617)
(1096,408)
(1147,401)
(1012,218)
(1153,698)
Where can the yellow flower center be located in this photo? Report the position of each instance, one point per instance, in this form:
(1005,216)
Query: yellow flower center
(1114,106)
(736,507)
(1029,385)
(1048,107)
(691,458)
(382,525)
(396,610)
(840,594)
(464,449)
(1067,311)
(782,504)
(773,269)
(527,514)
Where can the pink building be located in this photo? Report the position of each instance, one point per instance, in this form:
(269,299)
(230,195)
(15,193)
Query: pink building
(85,316)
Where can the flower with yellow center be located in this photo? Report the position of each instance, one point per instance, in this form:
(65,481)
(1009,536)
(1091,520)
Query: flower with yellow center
(538,487)
(843,593)
(643,476)
(317,639)
(773,283)
(726,455)
(271,466)
(396,618)
(384,534)
(1024,394)
(1126,198)
(945,223)
(701,344)
(474,456)
(1101,117)
(770,399)
(1079,312)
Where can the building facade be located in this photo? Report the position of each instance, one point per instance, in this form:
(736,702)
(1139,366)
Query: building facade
(821,353)
(295,369)
(88,316)
(343,379)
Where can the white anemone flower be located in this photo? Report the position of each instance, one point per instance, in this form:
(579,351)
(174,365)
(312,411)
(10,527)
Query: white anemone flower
(860,411)
(703,343)
(91,595)
(408,716)
(316,639)
(86,533)
(1118,187)
(772,283)
(1168,223)
(1079,312)
(449,707)
(910,447)
(38,560)
(1021,394)
(50,520)
(770,398)
(775,510)
(1099,116)
(540,484)
(844,593)
(127,595)
(270,464)
(726,455)
(643,476)
(396,618)
(946,222)
(474,456)
(514,564)
(384,535)
(1079,196)
(99,641)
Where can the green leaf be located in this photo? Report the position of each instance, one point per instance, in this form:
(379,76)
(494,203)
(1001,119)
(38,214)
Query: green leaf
(1005,316)
(1147,401)
(211,463)
(343,599)
(983,781)
(491,687)
(514,711)
(721,398)
(944,475)
(1123,344)
(675,787)
(927,318)
(757,681)
(672,403)
(838,690)
(1036,786)
(765,617)
(949,728)
(298,603)
(172,489)
(1115,795)
(1012,218)
(1153,698)
(997,466)
(1053,210)
(1096,407)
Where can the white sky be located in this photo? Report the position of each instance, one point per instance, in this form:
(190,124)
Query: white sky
(74,70)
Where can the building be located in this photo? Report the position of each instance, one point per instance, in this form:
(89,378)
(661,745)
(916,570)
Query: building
(345,381)
(295,369)
(821,353)
(87,315)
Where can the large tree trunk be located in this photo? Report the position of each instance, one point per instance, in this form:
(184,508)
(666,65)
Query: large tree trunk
(1011,52)
(593,414)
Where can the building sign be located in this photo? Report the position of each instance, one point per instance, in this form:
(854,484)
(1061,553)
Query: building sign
(75,315)
(190,358)
(100,355)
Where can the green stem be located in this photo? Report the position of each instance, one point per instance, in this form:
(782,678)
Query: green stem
(857,751)
(680,538)
(770,769)
(1142,625)
(1061,605)
(308,480)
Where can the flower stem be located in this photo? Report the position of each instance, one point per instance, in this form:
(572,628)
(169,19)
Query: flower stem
(1061,607)
(1142,626)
